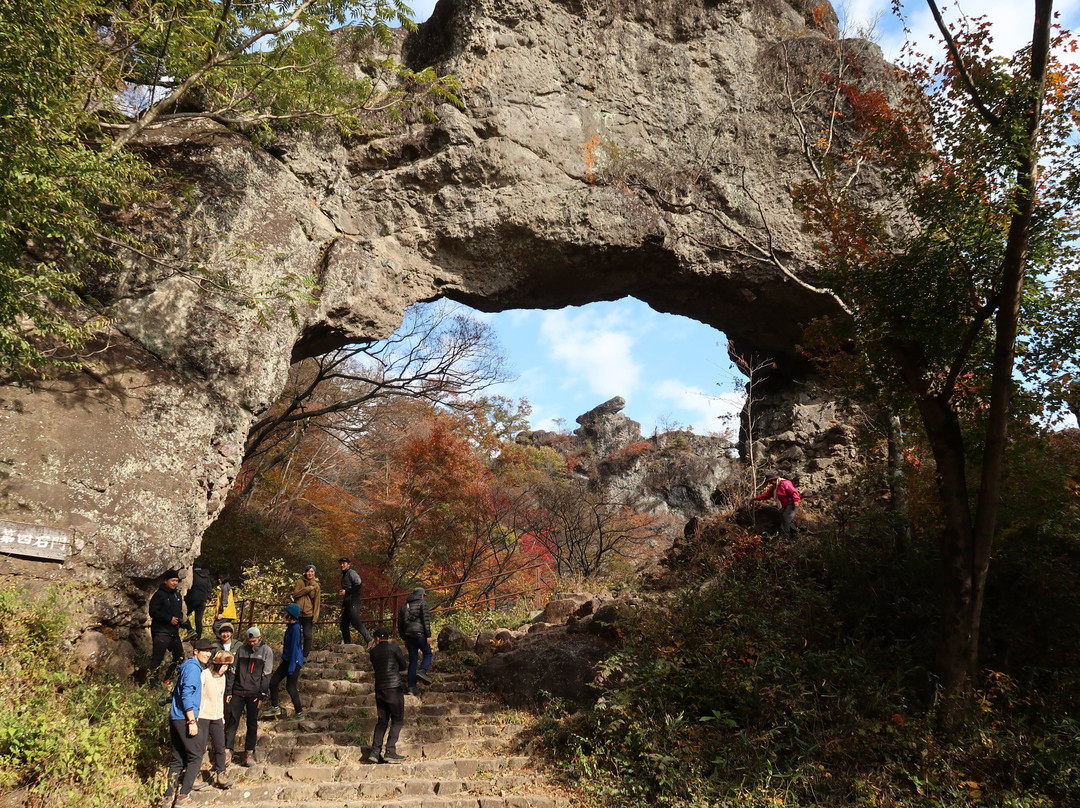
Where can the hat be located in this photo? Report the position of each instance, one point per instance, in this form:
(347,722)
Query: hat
(309,567)
(170,574)
(772,475)
(294,610)
(344,560)
(222,658)
(225,627)
(419,591)
(382,633)
(203,644)
(254,632)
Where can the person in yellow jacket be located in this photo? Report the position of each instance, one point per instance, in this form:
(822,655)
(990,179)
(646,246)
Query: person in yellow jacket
(226,602)
(307,594)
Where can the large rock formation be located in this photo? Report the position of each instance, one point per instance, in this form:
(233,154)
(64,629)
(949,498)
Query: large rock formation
(604,149)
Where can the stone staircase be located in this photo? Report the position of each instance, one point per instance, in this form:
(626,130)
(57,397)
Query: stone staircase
(459,744)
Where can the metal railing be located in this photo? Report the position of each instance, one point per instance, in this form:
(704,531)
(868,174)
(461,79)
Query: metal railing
(382,610)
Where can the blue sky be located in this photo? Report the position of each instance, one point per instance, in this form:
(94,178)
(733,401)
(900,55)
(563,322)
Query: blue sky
(671,370)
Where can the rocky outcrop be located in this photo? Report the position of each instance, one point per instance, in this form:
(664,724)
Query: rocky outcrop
(673,473)
(602,150)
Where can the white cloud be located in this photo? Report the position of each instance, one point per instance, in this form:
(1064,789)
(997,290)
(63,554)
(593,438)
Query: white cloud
(708,411)
(596,352)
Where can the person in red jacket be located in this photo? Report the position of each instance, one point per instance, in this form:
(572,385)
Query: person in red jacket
(785,492)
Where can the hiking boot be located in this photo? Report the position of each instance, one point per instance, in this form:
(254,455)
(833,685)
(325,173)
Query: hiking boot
(167,801)
(201,785)
(271,712)
(393,757)
(222,780)
(183,799)
(414,691)
(249,759)
(298,717)
(423,677)
(374,757)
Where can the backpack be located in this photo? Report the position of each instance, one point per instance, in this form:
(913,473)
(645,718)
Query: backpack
(412,619)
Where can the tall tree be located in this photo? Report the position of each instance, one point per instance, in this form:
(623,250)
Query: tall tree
(939,296)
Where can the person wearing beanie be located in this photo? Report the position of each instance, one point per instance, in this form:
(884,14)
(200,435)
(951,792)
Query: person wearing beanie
(252,668)
(292,659)
(414,625)
(166,616)
(307,594)
(387,661)
(188,745)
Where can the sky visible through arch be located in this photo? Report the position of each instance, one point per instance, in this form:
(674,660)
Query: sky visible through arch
(671,370)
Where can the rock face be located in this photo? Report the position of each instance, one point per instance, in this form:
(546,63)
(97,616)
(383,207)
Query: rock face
(676,473)
(603,150)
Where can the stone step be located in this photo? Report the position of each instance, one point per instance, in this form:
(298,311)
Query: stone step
(348,720)
(327,701)
(456,801)
(288,740)
(408,745)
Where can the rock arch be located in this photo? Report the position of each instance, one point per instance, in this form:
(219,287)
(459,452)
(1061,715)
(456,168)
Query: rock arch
(605,149)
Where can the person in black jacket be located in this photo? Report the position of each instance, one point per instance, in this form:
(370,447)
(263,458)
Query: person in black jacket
(351,586)
(166,614)
(246,688)
(197,595)
(414,626)
(387,661)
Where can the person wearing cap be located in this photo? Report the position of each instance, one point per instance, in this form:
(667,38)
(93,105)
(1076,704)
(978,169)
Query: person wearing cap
(212,715)
(252,669)
(187,743)
(387,661)
(307,594)
(788,496)
(166,615)
(414,625)
(292,659)
(351,586)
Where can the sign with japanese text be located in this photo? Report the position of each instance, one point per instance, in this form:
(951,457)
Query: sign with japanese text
(34,541)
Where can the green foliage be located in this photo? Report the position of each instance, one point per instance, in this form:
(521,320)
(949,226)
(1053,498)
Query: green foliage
(66,736)
(269,584)
(800,678)
(54,180)
(472,621)
(80,80)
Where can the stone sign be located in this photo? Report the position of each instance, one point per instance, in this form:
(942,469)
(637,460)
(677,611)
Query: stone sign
(35,541)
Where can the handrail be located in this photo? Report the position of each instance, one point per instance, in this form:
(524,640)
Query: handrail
(384,615)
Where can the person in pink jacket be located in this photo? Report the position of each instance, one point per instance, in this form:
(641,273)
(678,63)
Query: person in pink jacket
(786,493)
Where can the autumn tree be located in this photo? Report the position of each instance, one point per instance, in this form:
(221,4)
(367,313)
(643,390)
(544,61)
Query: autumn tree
(981,159)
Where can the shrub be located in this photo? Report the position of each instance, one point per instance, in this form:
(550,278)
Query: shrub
(68,737)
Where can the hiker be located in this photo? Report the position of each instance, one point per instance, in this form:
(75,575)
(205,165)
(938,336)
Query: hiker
(166,615)
(414,625)
(225,640)
(188,744)
(307,594)
(226,602)
(387,661)
(789,500)
(292,659)
(251,678)
(351,586)
(195,599)
(212,715)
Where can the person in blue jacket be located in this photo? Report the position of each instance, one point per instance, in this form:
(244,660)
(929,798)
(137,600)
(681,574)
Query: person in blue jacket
(292,659)
(188,745)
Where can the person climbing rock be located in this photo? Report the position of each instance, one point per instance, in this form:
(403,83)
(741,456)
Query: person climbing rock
(786,493)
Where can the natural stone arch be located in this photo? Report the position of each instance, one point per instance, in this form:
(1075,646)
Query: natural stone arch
(507,203)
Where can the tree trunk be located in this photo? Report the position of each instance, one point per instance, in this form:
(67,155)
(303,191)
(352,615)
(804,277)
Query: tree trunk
(898,493)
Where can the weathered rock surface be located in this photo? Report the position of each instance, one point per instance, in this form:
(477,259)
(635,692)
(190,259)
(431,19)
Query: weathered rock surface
(603,150)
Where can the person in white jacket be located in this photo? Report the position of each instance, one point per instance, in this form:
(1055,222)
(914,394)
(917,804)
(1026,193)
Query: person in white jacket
(212,715)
